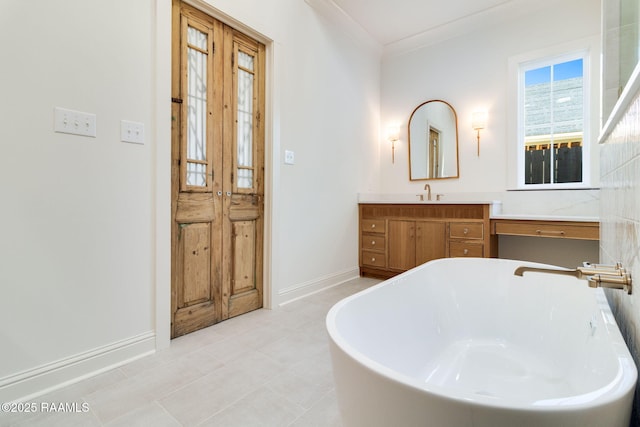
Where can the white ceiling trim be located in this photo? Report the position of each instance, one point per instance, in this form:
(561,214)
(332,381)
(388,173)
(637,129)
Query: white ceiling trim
(344,21)
(448,30)
(465,25)
(493,15)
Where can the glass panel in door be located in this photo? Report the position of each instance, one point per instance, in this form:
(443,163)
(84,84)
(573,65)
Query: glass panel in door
(196,132)
(245,113)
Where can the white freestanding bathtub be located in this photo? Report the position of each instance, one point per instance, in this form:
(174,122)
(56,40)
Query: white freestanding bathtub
(463,342)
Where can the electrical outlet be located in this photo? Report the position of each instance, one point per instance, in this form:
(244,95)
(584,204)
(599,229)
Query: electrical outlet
(131,132)
(289,157)
(74,122)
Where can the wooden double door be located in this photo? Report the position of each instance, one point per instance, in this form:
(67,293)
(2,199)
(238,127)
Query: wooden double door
(217,171)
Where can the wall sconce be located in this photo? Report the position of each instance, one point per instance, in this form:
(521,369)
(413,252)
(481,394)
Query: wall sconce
(393,134)
(479,121)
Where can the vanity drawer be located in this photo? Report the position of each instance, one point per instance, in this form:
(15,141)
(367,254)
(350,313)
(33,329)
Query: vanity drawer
(587,231)
(466,230)
(374,259)
(373,242)
(463,249)
(373,226)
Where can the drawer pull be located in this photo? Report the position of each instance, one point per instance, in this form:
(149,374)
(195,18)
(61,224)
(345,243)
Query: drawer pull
(373,260)
(373,226)
(466,252)
(550,232)
(373,243)
(465,231)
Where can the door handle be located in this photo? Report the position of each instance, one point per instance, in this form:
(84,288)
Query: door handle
(219,193)
(228,193)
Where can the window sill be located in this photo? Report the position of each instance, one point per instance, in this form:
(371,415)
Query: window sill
(543,188)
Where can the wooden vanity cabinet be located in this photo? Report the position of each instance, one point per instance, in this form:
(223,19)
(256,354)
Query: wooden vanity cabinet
(397,237)
(466,239)
(412,243)
(373,243)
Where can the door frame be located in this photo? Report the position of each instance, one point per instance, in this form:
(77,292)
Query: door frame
(161,137)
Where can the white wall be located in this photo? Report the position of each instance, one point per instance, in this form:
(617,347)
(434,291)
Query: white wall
(470,71)
(329,118)
(82,258)
(76,249)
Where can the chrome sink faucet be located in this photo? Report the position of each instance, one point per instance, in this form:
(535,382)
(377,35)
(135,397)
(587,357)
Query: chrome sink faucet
(597,275)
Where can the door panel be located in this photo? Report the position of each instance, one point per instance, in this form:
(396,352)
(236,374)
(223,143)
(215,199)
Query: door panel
(193,207)
(402,244)
(196,166)
(430,241)
(243,262)
(195,307)
(244,182)
(196,317)
(195,242)
(244,256)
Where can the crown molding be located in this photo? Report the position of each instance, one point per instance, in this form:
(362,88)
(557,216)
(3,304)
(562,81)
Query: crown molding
(345,22)
(467,24)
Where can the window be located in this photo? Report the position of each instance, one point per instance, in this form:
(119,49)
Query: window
(553,117)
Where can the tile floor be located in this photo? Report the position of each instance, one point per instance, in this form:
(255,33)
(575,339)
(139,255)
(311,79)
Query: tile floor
(265,368)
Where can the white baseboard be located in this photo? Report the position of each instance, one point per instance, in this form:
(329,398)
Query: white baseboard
(304,289)
(51,376)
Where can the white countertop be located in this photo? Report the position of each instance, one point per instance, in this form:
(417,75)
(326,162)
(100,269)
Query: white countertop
(413,199)
(427,202)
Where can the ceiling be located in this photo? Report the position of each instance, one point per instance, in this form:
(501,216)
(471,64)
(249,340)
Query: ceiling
(389,21)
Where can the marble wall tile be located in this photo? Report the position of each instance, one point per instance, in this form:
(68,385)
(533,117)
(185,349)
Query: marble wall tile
(620,223)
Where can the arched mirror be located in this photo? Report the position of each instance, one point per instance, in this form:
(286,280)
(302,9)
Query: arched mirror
(433,141)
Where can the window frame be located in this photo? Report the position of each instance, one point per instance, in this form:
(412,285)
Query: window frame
(585,49)
(586,137)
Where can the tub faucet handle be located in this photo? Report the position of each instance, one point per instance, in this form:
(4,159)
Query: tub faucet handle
(615,277)
(604,268)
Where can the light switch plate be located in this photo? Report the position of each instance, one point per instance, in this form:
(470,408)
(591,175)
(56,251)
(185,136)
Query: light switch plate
(289,157)
(74,122)
(132,132)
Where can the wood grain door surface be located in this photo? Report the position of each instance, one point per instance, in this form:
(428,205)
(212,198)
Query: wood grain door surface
(217,171)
